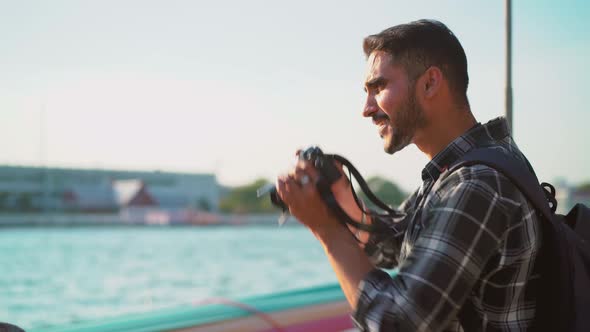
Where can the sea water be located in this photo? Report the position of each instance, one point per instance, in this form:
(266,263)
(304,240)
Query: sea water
(56,276)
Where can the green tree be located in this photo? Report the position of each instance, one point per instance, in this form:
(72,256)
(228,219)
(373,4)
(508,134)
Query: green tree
(584,187)
(25,202)
(243,199)
(385,190)
(203,204)
(3,201)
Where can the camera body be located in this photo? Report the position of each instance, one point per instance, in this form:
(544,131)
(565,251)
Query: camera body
(328,173)
(323,163)
(325,166)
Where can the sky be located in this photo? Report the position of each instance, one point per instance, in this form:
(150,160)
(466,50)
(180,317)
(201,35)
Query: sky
(235,87)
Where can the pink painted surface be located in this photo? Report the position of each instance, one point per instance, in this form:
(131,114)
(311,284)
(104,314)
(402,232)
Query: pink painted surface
(332,324)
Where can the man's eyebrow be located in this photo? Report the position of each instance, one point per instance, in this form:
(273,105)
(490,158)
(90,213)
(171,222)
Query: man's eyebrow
(375,82)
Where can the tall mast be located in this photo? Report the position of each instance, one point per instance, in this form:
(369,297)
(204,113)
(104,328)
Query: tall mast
(509,64)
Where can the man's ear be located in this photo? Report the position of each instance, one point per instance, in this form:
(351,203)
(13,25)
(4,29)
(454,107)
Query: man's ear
(431,81)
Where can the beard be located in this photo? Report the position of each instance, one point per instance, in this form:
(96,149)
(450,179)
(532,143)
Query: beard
(408,118)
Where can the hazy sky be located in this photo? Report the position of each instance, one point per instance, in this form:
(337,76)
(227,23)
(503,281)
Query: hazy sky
(234,87)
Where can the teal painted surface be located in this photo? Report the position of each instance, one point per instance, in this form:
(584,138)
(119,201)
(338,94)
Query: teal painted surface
(193,316)
(190,316)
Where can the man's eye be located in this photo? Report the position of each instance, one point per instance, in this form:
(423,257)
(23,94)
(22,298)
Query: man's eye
(378,88)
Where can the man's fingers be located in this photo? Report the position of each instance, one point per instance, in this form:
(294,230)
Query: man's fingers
(281,188)
(301,177)
(308,168)
(293,185)
(285,188)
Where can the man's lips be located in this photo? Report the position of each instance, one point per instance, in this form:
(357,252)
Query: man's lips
(379,119)
(382,129)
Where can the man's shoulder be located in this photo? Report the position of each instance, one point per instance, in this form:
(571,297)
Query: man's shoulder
(476,188)
(475,175)
(481,179)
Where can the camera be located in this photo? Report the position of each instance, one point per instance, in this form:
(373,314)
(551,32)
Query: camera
(329,173)
(324,163)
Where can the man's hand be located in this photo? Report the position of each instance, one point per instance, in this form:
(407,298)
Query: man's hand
(297,189)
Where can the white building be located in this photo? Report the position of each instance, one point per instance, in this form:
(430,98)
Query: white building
(57,189)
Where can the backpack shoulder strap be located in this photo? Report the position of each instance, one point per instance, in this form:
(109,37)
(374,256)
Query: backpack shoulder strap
(515,170)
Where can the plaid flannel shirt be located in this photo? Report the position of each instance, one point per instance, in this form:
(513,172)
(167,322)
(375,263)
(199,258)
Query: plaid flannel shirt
(465,250)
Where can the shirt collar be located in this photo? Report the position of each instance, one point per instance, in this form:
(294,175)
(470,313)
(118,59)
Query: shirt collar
(494,130)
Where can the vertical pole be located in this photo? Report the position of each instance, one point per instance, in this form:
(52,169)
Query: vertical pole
(43,156)
(43,177)
(509,65)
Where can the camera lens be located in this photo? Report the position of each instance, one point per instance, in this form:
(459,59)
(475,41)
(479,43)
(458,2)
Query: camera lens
(276,200)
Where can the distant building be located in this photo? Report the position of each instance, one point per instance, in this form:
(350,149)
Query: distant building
(132,193)
(61,189)
(89,198)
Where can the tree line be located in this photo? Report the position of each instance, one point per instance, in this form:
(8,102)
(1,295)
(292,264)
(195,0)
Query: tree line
(243,199)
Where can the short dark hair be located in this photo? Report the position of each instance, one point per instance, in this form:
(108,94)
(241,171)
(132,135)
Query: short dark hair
(421,44)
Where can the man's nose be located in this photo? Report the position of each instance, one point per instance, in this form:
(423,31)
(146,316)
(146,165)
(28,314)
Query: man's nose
(370,107)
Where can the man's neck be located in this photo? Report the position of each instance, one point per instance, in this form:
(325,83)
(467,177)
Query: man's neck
(440,132)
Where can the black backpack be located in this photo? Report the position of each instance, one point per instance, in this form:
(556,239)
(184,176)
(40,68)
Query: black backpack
(5,327)
(564,304)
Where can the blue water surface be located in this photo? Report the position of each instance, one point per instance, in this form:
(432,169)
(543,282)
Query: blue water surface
(55,276)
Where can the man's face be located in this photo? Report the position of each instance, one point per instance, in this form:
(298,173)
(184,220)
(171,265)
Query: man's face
(391,102)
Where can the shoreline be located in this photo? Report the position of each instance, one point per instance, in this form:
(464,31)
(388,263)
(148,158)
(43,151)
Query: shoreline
(13,220)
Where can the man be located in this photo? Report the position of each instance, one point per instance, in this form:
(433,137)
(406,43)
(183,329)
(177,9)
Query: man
(466,246)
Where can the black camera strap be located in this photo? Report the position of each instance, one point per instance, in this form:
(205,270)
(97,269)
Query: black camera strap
(364,186)
(324,188)
(328,175)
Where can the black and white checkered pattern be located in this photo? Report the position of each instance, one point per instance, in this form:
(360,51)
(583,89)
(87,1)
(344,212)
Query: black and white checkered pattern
(468,243)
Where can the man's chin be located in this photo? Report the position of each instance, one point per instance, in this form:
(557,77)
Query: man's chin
(390,150)
(391,146)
